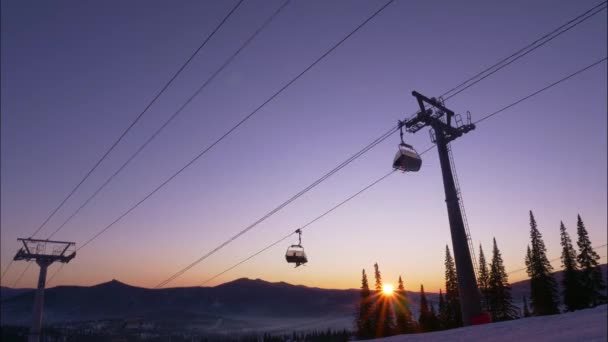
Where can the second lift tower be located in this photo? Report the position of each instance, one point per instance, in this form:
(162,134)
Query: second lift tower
(441,121)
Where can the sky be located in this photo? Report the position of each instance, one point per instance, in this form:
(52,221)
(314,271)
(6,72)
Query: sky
(75,74)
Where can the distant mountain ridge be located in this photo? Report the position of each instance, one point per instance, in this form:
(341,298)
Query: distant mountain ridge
(249,302)
(239,304)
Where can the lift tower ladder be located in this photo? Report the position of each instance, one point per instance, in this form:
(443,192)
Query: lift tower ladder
(464,213)
(444,126)
(44,252)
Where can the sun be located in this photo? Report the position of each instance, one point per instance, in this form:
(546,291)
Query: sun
(387,289)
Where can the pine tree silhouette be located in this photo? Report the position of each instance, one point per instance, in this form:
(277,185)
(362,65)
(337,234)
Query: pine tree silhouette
(454,316)
(442,315)
(404,324)
(363,322)
(424,320)
(499,290)
(572,291)
(543,287)
(384,319)
(483,279)
(434,321)
(591,278)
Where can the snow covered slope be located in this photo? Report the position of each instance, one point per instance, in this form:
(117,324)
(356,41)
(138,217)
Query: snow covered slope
(585,325)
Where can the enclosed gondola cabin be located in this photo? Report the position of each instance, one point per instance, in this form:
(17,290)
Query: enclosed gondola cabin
(407,159)
(295,255)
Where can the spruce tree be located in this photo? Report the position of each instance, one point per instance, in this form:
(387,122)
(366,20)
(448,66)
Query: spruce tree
(526,309)
(499,290)
(434,321)
(424,319)
(454,316)
(543,287)
(442,316)
(483,279)
(364,325)
(378,276)
(404,324)
(571,283)
(591,278)
(383,308)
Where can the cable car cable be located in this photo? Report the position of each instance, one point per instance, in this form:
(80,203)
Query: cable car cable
(192,161)
(175,114)
(542,89)
(385,176)
(381,138)
(302,227)
(530,47)
(140,115)
(281,206)
(426,150)
(104,156)
(272,97)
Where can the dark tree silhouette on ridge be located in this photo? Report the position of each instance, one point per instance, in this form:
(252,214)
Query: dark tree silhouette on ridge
(363,322)
(403,315)
(453,313)
(591,275)
(543,287)
(384,319)
(483,279)
(499,289)
(424,319)
(572,291)
(442,315)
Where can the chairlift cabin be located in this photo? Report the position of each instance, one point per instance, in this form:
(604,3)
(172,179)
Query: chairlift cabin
(407,159)
(295,253)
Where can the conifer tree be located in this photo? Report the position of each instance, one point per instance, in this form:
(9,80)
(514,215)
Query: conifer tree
(404,324)
(543,287)
(378,276)
(571,282)
(434,321)
(526,309)
(483,279)
(591,278)
(364,325)
(424,319)
(383,309)
(499,290)
(453,314)
(442,315)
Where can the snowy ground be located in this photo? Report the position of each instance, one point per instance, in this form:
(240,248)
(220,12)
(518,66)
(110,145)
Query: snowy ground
(585,325)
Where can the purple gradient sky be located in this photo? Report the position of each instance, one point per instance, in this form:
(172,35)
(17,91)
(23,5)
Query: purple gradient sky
(76,73)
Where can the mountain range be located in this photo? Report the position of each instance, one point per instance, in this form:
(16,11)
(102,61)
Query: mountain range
(242,304)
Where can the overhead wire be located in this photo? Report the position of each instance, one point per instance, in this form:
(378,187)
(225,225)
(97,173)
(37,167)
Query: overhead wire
(247,229)
(131,125)
(526,50)
(542,89)
(278,208)
(227,62)
(243,120)
(386,176)
(307,224)
(382,138)
(141,114)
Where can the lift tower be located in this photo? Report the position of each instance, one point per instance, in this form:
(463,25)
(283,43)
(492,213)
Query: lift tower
(44,252)
(441,120)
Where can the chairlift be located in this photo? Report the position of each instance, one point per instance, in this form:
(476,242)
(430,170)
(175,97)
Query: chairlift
(295,253)
(406,159)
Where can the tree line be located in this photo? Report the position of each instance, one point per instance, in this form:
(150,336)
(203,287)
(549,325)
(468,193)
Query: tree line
(583,286)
